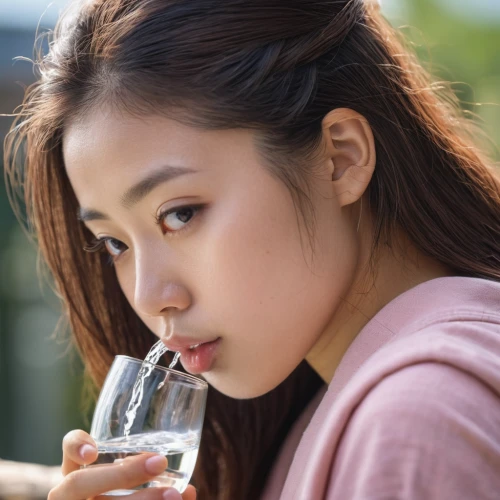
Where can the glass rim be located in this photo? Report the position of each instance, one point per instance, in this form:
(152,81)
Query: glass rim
(188,376)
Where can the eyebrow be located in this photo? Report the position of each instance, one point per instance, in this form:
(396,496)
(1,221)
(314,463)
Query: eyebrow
(138,191)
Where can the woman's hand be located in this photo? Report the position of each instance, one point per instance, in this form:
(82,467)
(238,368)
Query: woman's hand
(80,484)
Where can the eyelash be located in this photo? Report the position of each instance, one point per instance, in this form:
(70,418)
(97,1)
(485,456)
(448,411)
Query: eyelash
(99,244)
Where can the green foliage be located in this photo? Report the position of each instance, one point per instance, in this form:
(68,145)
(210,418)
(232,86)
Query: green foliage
(461,50)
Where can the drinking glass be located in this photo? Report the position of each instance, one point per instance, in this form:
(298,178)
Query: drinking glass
(168,420)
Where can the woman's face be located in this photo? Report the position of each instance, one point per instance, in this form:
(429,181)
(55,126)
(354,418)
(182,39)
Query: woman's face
(229,264)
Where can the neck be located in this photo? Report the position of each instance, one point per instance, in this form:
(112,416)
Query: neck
(396,272)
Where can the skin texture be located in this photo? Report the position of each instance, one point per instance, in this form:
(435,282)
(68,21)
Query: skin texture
(241,268)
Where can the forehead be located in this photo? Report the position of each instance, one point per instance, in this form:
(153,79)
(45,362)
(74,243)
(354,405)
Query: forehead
(106,137)
(110,151)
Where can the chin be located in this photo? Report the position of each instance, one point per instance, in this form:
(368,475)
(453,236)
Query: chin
(239,390)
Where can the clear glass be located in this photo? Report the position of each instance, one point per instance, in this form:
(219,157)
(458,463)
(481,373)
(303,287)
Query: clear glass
(169,420)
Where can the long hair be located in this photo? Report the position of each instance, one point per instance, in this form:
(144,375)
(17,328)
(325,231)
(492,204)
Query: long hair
(276,67)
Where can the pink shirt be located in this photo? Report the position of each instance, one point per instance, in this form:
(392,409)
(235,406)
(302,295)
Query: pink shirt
(413,410)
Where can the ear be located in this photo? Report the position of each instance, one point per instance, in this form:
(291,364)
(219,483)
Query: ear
(351,150)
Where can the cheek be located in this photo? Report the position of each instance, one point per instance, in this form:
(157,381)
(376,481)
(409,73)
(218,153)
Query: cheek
(263,283)
(271,300)
(256,268)
(249,260)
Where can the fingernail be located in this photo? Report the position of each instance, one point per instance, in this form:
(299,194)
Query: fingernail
(171,494)
(156,465)
(86,451)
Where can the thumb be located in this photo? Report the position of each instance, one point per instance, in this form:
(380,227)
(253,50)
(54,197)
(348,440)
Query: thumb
(189,493)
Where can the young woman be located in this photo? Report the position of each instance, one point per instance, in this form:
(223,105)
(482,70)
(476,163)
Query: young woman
(278,180)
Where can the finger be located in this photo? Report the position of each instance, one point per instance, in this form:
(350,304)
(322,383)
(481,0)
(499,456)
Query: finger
(78,449)
(92,481)
(189,493)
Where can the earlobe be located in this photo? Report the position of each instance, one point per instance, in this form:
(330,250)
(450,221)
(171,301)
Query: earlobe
(351,147)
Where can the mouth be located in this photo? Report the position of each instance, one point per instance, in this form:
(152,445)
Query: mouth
(199,358)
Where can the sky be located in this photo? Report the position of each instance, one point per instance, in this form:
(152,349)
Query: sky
(27,13)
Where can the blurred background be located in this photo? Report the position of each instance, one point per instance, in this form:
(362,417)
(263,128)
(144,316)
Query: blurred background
(40,379)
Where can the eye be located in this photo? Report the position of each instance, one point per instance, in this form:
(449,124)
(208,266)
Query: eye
(112,246)
(170,221)
(176,219)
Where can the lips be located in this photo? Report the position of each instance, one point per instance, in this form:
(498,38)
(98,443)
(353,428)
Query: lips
(202,358)
(197,356)
(180,344)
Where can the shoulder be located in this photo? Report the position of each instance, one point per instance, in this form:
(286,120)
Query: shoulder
(426,391)
(428,430)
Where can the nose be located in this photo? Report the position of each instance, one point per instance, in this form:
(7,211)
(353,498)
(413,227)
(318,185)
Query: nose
(156,290)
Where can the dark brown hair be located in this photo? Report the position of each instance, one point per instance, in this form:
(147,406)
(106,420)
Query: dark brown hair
(276,67)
